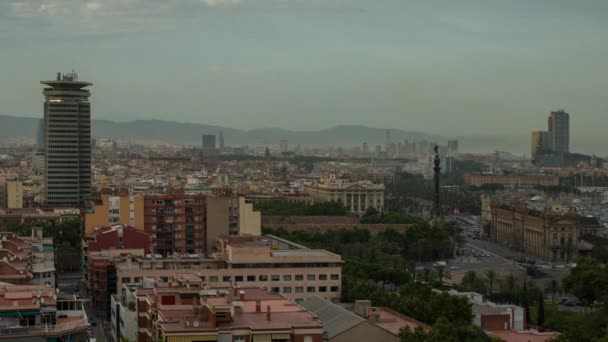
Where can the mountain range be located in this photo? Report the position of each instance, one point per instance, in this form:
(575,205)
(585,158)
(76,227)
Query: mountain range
(159,131)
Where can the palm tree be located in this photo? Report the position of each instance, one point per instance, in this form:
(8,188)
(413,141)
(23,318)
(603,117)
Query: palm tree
(491,276)
(553,289)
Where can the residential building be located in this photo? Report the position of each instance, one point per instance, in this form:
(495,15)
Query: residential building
(284,146)
(191,313)
(36,313)
(249,221)
(506,322)
(366,323)
(180,223)
(100,253)
(67,146)
(357,197)
(14,194)
(209,142)
(27,260)
(278,265)
(120,208)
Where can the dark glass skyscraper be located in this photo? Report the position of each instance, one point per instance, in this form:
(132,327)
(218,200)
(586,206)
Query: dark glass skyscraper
(67,141)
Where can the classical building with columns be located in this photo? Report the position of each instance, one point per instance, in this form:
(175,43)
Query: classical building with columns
(546,235)
(357,197)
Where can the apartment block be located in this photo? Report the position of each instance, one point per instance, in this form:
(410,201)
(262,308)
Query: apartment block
(189,312)
(99,255)
(275,264)
(120,208)
(27,260)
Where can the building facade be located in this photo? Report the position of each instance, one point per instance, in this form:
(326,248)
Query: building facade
(357,197)
(559,131)
(67,145)
(269,262)
(544,235)
(116,209)
(479,179)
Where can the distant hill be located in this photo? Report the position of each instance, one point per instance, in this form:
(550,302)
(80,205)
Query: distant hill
(158,131)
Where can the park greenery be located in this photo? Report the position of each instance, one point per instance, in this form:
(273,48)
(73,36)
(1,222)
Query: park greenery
(66,235)
(284,208)
(389,257)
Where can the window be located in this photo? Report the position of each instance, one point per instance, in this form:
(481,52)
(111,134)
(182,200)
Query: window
(335,277)
(299,277)
(299,300)
(299,289)
(275,277)
(287,290)
(239,338)
(238,278)
(310,277)
(263,278)
(274,289)
(322,288)
(335,289)
(250,278)
(137,280)
(287,277)
(226,279)
(310,289)
(126,280)
(213,279)
(322,276)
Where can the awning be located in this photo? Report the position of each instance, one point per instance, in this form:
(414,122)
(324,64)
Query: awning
(262,338)
(19,313)
(281,336)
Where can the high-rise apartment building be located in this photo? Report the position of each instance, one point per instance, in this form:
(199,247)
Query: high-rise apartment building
(221,138)
(540,143)
(284,145)
(209,141)
(453,147)
(559,131)
(67,141)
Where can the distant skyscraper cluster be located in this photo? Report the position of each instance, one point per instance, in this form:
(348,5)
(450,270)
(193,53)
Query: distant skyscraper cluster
(67,141)
(556,140)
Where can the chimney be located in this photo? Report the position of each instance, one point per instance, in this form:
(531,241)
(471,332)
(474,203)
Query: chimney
(258,306)
(242,295)
(268,313)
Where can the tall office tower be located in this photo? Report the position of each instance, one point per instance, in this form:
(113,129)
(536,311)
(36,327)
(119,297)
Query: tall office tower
(365,148)
(387,141)
(67,141)
(453,147)
(208,141)
(221,138)
(284,145)
(559,131)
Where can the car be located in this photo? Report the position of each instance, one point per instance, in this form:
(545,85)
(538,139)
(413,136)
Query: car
(562,301)
(454,268)
(569,304)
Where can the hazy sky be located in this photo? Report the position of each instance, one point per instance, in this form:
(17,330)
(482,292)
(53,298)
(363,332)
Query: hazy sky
(448,67)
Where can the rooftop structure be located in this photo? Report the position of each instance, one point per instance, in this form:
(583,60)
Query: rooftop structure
(357,197)
(35,312)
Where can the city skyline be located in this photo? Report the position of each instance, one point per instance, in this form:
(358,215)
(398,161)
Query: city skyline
(251,64)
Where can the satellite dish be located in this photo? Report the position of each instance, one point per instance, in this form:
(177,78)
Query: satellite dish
(195,324)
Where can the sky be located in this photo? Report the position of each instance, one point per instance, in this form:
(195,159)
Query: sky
(467,67)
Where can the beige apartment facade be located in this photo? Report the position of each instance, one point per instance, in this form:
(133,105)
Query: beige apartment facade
(125,210)
(247,262)
(14,194)
(357,197)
